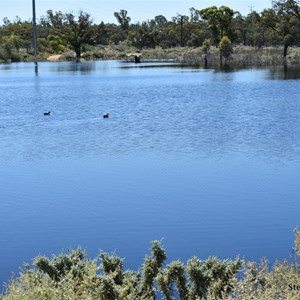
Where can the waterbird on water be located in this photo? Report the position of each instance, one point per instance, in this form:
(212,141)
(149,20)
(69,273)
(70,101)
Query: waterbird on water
(105,116)
(47,113)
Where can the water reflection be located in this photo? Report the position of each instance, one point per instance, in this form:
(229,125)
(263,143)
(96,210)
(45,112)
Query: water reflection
(36,68)
(81,67)
(284,72)
(281,72)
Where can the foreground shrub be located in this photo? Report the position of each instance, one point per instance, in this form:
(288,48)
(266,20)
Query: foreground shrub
(73,275)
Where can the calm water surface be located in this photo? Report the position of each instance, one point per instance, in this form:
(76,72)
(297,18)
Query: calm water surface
(207,160)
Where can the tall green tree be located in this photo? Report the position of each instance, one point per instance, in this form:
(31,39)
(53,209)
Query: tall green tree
(284,23)
(76,32)
(123,19)
(220,22)
(255,30)
(288,22)
(288,6)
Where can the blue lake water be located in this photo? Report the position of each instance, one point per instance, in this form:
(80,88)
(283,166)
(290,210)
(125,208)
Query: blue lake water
(207,160)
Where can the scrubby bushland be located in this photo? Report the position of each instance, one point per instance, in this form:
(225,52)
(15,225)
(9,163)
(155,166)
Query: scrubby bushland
(220,27)
(73,275)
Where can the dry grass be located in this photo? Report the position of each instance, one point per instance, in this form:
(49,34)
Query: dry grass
(244,56)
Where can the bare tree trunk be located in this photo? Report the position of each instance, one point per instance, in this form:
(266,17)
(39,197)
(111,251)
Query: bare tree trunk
(285,51)
(78,52)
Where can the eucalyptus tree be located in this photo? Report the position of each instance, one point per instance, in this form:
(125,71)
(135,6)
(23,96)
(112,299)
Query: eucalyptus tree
(220,22)
(161,32)
(193,29)
(102,34)
(160,25)
(194,15)
(123,19)
(240,25)
(284,22)
(288,6)
(161,21)
(255,30)
(147,35)
(76,32)
(288,22)
(180,23)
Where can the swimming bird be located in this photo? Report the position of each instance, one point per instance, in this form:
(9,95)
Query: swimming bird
(47,113)
(105,116)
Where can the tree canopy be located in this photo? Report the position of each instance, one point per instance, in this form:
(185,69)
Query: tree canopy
(58,31)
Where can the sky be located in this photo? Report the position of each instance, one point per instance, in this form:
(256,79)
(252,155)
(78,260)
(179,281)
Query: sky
(138,10)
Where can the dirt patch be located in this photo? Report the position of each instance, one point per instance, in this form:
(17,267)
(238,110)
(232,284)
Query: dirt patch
(54,57)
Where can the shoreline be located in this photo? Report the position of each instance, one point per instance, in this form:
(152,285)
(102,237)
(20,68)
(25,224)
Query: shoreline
(242,56)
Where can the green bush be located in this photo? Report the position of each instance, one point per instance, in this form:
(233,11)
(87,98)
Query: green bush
(73,275)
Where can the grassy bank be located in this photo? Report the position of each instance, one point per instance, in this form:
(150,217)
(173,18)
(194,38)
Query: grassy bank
(243,56)
(73,275)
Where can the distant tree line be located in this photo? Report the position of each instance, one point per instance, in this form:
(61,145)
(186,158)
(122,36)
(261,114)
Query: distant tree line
(213,26)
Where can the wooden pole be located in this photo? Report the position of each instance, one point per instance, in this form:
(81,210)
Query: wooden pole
(181,30)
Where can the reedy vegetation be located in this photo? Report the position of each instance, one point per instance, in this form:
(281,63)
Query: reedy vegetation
(209,30)
(75,276)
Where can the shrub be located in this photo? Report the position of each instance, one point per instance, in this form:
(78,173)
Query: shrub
(73,275)
(225,47)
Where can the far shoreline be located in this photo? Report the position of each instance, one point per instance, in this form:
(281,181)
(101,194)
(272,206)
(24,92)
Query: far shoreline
(242,56)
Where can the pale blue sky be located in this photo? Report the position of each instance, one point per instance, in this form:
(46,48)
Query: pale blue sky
(138,10)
